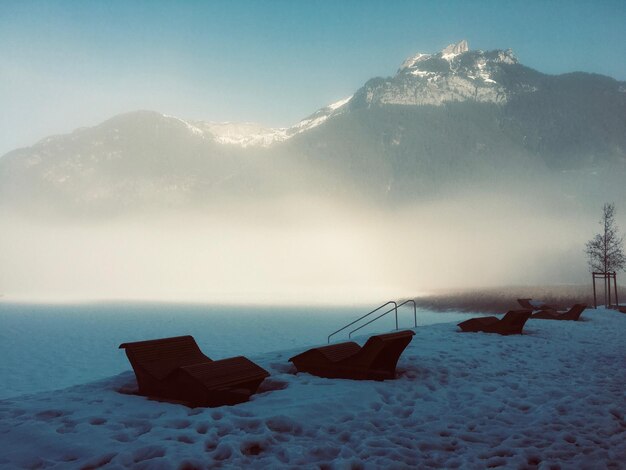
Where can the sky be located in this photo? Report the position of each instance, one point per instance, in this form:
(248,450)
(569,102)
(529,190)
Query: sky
(70,64)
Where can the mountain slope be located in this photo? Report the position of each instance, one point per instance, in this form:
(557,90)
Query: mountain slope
(456,118)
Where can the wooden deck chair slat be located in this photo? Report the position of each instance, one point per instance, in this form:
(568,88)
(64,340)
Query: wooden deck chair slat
(226,372)
(338,352)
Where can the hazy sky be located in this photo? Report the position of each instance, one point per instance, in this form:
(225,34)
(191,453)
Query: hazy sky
(69,64)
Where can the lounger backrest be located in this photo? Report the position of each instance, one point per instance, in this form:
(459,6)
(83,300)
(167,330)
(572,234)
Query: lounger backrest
(574,312)
(514,320)
(381,352)
(159,357)
(525,303)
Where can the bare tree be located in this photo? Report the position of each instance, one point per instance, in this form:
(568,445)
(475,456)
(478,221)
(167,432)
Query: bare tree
(605,250)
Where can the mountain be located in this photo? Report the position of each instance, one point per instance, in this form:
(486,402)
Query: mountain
(139,159)
(448,120)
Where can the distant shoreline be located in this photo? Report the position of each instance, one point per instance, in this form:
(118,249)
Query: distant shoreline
(487,300)
(501,299)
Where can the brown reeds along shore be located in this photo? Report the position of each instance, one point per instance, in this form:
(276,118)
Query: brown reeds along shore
(501,299)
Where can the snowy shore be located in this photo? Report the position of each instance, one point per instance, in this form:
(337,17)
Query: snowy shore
(554,397)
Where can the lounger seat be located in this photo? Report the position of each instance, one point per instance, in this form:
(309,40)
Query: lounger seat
(376,360)
(175,369)
(512,323)
(573,314)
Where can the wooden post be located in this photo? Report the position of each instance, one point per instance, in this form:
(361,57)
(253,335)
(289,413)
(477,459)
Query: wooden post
(595,300)
(615,285)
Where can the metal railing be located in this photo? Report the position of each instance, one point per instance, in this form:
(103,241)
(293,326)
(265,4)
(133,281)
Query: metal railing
(383,314)
(394,308)
(368,314)
(414,311)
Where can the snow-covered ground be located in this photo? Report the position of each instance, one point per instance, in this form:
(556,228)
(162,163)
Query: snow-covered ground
(554,397)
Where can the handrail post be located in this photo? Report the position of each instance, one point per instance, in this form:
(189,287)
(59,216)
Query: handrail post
(396,309)
(414,311)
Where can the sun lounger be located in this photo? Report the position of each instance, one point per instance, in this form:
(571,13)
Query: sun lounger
(376,360)
(175,369)
(573,314)
(512,323)
(525,304)
(530,304)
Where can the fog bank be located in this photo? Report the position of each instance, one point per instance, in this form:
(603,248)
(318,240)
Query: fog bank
(296,251)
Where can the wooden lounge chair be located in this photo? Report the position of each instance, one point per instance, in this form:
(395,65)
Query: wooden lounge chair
(376,360)
(512,323)
(573,314)
(175,369)
(530,304)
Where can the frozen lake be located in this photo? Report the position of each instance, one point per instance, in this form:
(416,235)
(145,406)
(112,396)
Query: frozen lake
(46,347)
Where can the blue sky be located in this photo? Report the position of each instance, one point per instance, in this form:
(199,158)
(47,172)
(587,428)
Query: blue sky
(68,64)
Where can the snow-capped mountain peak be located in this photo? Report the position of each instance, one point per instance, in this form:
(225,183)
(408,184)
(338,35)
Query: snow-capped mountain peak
(454,74)
(411,61)
(448,53)
(506,57)
(454,50)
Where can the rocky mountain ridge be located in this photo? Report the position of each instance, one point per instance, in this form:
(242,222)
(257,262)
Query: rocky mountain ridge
(455,117)
(453,74)
(248,134)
